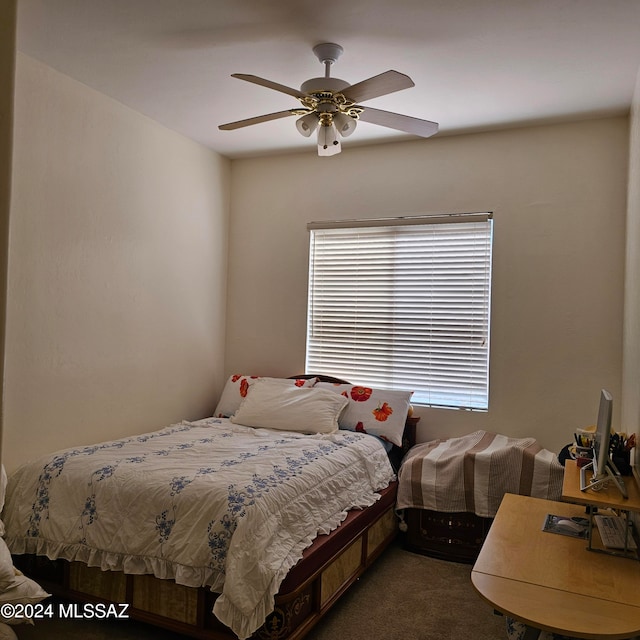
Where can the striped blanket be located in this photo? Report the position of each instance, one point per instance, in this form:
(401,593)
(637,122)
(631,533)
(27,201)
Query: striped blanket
(472,473)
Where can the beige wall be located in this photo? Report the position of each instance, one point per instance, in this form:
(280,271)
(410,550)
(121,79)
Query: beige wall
(558,194)
(117,274)
(631,362)
(7,72)
(118,268)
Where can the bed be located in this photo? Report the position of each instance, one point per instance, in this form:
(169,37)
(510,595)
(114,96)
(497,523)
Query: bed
(251,525)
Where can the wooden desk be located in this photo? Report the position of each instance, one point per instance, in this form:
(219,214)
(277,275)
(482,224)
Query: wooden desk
(550,581)
(610,496)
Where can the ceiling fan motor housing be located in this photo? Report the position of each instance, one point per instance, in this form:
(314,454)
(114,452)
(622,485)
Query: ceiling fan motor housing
(320,85)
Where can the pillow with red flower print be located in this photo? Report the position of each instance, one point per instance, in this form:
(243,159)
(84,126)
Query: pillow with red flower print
(380,412)
(236,389)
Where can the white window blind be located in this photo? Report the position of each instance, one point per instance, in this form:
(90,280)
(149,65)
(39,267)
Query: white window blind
(403,304)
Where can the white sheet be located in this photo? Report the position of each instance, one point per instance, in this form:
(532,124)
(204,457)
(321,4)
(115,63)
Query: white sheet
(207,503)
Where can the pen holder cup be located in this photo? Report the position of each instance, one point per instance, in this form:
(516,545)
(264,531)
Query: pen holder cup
(622,460)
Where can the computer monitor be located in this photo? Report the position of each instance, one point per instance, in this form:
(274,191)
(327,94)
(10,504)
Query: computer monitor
(602,466)
(603,435)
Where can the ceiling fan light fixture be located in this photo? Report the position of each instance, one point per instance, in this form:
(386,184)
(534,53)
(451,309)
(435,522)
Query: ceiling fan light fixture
(328,141)
(345,124)
(307,124)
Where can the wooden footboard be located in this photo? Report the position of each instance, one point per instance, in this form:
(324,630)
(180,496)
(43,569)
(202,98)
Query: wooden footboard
(327,569)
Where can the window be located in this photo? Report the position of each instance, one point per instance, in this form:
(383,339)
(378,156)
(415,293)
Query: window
(403,304)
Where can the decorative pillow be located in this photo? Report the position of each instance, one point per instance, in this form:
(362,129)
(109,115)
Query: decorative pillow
(237,387)
(23,590)
(3,489)
(380,412)
(7,572)
(289,408)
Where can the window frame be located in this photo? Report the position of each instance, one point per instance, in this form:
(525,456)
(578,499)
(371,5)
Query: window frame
(475,248)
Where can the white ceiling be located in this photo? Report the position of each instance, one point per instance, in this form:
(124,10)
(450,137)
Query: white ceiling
(477,64)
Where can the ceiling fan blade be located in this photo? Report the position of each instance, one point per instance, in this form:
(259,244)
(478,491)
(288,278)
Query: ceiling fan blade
(269,116)
(270,85)
(379,85)
(416,126)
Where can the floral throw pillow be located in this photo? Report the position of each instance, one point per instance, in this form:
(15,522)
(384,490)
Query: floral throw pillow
(236,389)
(380,412)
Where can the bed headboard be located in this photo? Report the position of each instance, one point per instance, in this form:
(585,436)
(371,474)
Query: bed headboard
(396,454)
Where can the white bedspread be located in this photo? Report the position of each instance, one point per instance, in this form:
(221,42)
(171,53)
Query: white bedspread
(208,504)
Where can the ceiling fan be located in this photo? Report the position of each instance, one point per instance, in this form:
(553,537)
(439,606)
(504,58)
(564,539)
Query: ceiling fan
(330,105)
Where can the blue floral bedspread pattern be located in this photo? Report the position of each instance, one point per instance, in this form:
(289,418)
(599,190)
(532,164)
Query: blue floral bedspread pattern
(207,503)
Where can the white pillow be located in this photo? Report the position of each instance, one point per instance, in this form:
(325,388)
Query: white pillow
(3,485)
(23,590)
(3,490)
(303,409)
(7,572)
(237,387)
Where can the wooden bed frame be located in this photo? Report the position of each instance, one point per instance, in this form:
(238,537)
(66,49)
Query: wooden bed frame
(328,567)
